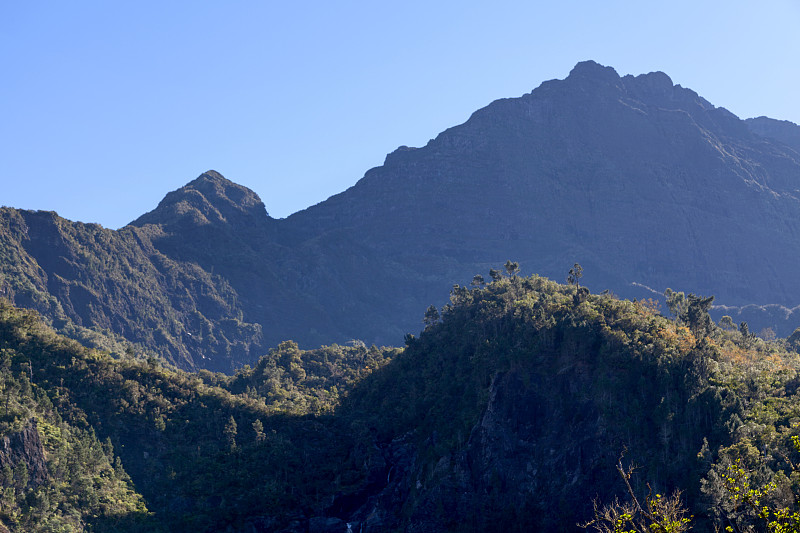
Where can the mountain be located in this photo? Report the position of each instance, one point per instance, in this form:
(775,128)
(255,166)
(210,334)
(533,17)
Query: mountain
(641,181)
(115,290)
(90,442)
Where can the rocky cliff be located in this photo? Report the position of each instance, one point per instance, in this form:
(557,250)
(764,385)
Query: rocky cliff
(24,449)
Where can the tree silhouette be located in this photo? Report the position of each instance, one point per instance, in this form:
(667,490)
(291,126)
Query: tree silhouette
(676,303)
(696,314)
(726,322)
(512,268)
(431,316)
(575,274)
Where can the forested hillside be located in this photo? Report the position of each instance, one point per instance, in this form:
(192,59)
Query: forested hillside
(508,412)
(128,445)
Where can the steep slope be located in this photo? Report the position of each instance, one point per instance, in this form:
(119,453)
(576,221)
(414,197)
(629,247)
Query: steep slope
(639,180)
(55,474)
(511,412)
(93,283)
(224,229)
(114,434)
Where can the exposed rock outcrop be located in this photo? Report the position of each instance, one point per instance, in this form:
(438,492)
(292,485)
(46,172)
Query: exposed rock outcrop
(25,448)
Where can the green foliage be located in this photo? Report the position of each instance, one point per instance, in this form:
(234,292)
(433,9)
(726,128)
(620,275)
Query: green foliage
(431,317)
(512,268)
(575,274)
(643,379)
(659,514)
(174,451)
(134,444)
(290,380)
(726,322)
(76,481)
(696,315)
(750,500)
(676,303)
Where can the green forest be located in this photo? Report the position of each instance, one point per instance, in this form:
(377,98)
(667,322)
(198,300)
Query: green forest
(523,405)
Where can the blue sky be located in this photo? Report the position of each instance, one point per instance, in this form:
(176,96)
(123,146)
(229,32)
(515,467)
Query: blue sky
(107,106)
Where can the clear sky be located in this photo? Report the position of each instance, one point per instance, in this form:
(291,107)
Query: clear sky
(106,106)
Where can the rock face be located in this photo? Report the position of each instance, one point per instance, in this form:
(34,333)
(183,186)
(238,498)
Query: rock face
(642,181)
(25,448)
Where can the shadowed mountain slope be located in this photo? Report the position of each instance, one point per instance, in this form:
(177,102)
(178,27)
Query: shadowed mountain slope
(639,180)
(113,288)
(780,130)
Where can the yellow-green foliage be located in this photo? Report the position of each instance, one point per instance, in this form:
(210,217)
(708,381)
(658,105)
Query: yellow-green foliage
(200,456)
(201,451)
(296,381)
(85,485)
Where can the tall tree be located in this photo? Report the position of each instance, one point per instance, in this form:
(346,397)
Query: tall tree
(696,314)
(575,274)
(676,303)
(431,316)
(512,268)
(478,282)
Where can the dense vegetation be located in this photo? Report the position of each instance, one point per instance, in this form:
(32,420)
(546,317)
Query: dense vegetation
(201,457)
(82,480)
(593,376)
(509,412)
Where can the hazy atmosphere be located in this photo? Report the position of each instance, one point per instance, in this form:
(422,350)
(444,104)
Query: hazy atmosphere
(106,107)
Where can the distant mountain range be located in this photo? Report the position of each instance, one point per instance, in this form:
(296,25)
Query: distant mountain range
(643,182)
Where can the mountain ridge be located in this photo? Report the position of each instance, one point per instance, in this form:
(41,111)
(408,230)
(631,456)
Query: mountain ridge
(642,181)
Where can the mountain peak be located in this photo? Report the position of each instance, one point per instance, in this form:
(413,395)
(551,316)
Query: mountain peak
(212,176)
(592,70)
(208,199)
(655,81)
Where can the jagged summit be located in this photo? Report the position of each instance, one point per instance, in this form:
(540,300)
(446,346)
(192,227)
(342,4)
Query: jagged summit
(208,199)
(618,168)
(593,71)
